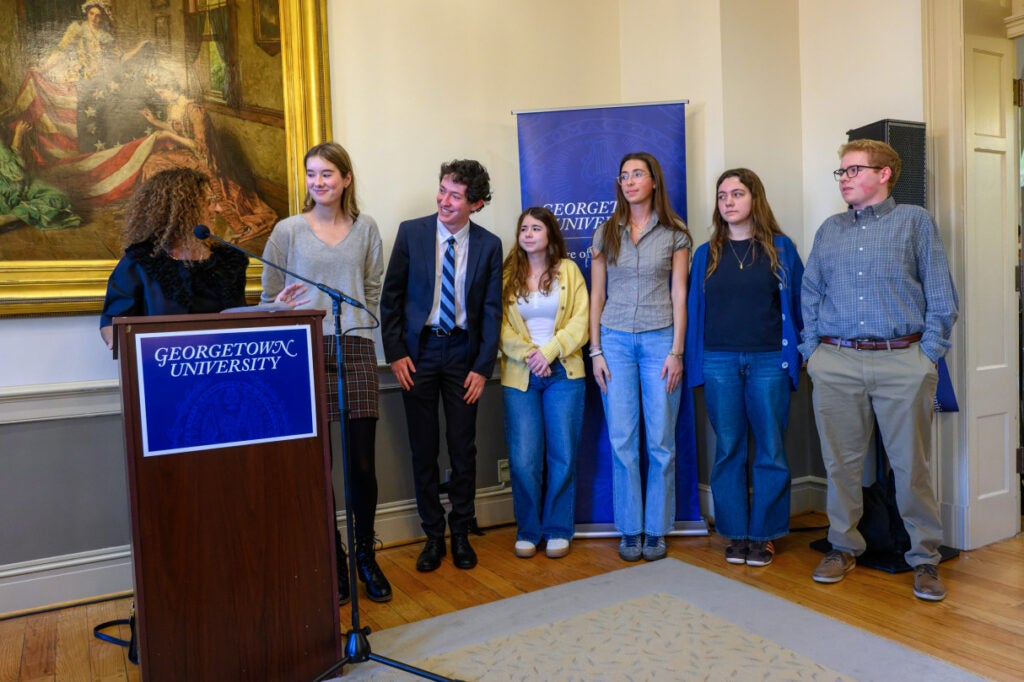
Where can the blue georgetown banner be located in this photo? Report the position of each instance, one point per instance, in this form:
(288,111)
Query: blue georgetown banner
(221,388)
(568,162)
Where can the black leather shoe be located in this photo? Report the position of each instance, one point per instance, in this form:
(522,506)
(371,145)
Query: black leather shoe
(463,555)
(430,557)
(344,589)
(377,586)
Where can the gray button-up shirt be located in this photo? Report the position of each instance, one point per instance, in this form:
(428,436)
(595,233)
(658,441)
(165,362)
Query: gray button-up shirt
(879,273)
(639,296)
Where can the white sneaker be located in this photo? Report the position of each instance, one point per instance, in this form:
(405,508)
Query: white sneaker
(557,548)
(525,549)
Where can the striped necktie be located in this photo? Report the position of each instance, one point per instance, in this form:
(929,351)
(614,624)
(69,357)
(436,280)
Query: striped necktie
(446,319)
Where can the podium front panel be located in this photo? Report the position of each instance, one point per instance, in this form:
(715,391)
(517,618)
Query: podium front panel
(229,482)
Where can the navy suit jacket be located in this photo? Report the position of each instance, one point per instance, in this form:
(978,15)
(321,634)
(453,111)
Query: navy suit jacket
(408,292)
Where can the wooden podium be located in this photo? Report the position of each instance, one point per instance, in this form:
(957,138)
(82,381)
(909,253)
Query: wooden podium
(232,515)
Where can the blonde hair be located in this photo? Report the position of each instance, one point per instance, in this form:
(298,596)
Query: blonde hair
(879,153)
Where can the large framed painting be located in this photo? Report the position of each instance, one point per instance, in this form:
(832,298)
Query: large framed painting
(95,96)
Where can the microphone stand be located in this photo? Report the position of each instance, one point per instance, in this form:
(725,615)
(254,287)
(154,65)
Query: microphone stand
(357,643)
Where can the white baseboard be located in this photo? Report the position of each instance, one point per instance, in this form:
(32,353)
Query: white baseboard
(35,585)
(55,580)
(70,400)
(398,522)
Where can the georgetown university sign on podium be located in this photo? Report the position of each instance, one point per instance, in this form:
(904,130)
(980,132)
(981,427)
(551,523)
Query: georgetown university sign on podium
(220,388)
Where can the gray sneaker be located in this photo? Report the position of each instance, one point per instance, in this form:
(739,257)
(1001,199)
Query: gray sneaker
(737,551)
(927,583)
(655,548)
(629,548)
(834,566)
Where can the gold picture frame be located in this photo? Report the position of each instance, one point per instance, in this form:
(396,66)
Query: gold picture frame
(78,286)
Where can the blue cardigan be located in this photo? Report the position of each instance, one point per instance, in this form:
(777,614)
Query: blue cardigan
(792,322)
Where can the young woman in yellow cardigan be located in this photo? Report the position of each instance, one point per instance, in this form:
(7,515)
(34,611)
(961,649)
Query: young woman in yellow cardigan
(544,326)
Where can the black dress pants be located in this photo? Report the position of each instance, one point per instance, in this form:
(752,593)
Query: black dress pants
(441,371)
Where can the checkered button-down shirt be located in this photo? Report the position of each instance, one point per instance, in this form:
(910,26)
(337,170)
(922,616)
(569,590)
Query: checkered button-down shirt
(879,273)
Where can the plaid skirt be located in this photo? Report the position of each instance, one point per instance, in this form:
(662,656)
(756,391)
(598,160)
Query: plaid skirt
(361,385)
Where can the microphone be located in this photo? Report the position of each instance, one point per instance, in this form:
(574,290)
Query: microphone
(203,232)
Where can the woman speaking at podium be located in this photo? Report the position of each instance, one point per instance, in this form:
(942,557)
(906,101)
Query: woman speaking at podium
(165,269)
(333,243)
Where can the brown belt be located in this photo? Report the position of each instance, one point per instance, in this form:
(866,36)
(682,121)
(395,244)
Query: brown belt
(898,343)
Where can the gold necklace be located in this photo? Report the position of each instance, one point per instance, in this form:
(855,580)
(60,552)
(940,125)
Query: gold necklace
(750,247)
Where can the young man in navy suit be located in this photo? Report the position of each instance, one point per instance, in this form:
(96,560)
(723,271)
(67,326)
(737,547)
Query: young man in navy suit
(440,319)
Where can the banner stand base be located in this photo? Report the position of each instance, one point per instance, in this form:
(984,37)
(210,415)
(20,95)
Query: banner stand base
(607,530)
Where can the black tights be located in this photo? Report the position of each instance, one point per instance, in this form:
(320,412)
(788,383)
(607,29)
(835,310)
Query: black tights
(362,434)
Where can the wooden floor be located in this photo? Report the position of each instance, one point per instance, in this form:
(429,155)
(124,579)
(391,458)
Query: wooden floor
(980,625)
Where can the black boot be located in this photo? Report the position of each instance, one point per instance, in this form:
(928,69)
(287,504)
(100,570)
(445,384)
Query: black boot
(377,586)
(344,589)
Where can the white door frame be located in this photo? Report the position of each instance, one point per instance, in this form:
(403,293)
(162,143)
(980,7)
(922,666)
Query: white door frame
(973,193)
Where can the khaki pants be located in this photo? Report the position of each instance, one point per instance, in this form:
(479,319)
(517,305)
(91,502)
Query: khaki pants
(853,388)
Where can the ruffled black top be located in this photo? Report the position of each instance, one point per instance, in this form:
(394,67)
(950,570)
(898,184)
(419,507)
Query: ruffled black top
(144,283)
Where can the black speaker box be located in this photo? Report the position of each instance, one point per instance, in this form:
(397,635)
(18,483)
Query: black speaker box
(907,138)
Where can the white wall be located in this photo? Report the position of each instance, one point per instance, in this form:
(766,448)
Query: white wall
(672,50)
(762,94)
(415,84)
(859,63)
(53,350)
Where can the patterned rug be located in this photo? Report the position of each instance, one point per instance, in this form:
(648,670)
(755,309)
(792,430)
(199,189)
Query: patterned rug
(660,621)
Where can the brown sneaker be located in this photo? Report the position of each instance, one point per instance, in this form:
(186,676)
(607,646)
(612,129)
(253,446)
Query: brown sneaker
(834,566)
(927,583)
(761,553)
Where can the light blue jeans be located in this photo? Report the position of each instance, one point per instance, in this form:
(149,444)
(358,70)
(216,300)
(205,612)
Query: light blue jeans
(748,392)
(542,427)
(635,362)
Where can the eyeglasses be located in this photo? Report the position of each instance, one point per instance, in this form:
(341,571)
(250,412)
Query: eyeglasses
(636,175)
(852,171)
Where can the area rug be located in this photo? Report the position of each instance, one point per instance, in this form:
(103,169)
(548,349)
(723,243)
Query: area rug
(665,620)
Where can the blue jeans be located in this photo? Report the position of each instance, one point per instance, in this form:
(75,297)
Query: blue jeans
(635,362)
(543,426)
(748,391)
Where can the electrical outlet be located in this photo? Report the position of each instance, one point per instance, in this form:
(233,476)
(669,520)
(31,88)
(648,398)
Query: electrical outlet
(504,473)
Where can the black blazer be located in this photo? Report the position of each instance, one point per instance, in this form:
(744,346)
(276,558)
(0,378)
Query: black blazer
(408,292)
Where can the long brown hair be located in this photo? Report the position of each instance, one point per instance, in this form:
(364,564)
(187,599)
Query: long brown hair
(765,225)
(166,208)
(517,266)
(613,227)
(335,154)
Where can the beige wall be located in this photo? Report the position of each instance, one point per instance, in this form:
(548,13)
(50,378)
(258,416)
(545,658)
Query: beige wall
(858,63)
(772,86)
(404,99)
(414,84)
(761,102)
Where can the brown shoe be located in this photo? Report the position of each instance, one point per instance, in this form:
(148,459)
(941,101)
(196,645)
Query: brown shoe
(927,583)
(834,566)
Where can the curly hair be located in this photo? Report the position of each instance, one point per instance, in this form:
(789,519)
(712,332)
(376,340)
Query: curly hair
(516,267)
(471,174)
(765,224)
(166,208)
(613,227)
(879,154)
(336,155)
